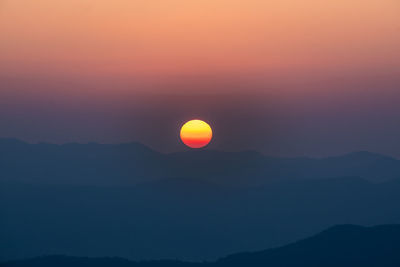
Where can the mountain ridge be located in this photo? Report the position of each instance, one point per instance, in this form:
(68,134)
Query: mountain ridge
(196,219)
(340,245)
(133,163)
(11,140)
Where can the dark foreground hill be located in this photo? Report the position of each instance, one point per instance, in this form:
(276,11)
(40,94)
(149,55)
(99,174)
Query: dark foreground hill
(339,246)
(345,245)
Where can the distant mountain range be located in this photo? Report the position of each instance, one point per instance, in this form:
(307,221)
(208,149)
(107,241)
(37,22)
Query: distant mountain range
(339,246)
(133,163)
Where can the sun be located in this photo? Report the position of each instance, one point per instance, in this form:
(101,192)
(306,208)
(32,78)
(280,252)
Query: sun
(196,133)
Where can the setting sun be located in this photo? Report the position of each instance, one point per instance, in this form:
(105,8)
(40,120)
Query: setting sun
(196,133)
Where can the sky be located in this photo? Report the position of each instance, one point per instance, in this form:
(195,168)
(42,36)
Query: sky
(287,77)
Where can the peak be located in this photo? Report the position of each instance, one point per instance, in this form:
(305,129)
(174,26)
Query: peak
(342,228)
(365,155)
(12,141)
(210,154)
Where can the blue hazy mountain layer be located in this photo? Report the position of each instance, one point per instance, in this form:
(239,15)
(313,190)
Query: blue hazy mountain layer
(129,201)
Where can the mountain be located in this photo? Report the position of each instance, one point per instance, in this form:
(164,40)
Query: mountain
(65,261)
(129,201)
(339,246)
(345,245)
(95,164)
(134,163)
(182,218)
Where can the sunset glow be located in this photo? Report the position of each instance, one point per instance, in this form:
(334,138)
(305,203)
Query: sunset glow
(161,38)
(119,71)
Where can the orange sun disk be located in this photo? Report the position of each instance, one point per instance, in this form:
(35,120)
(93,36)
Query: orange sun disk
(196,134)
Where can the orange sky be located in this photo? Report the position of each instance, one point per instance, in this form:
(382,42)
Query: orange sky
(292,77)
(179,37)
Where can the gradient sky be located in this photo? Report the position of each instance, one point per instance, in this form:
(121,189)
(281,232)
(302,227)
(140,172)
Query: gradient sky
(287,77)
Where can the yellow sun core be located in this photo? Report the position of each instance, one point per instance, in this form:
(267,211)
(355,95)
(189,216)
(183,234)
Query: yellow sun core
(196,133)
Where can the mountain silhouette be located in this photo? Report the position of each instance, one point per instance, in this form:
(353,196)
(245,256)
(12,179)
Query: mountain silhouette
(181,217)
(129,201)
(339,246)
(344,245)
(133,163)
